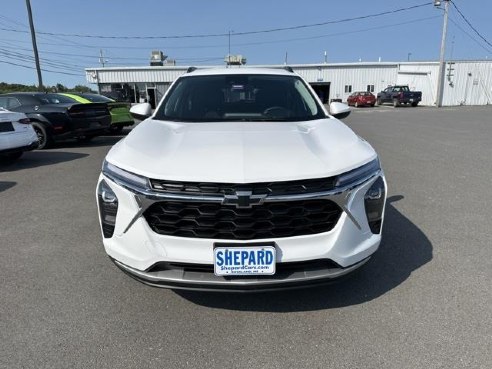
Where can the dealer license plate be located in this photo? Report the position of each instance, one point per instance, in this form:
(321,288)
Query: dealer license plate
(244,260)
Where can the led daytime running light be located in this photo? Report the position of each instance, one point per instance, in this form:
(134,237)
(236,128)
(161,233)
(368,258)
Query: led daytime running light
(359,174)
(114,172)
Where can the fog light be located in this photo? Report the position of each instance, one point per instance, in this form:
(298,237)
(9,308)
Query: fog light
(108,207)
(374,204)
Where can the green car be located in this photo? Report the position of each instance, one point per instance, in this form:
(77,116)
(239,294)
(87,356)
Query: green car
(120,111)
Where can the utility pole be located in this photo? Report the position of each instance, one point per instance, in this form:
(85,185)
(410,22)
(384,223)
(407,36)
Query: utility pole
(440,83)
(34,46)
(101,58)
(229,53)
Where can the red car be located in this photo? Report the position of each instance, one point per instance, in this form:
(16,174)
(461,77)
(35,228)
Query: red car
(361,98)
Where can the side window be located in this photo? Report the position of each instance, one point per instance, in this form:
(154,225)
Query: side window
(13,103)
(3,102)
(348,89)
(370,88)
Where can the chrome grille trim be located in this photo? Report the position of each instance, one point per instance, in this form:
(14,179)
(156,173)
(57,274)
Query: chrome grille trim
(146,197)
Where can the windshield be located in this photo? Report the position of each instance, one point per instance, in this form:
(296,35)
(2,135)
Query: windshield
(54,99)
(96,98)
(239,97)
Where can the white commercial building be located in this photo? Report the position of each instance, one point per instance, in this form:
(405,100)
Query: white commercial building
(465,82)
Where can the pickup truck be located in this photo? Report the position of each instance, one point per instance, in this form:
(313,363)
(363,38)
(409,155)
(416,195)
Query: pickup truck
(398,95)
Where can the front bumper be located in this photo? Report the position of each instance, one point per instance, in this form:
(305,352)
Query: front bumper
(410,100)
(202,280)
(367,102)
(137,249)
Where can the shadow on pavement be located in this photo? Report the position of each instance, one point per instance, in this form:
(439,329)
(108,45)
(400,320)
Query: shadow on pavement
(404,248)
(5,185)
(107,139)
(39,158)
(95,142)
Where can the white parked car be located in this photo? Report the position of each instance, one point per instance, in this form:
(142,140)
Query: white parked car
(16,135)
(240,180)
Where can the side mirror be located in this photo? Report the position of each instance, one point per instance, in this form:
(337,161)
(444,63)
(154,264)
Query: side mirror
(339,110)
(141,111)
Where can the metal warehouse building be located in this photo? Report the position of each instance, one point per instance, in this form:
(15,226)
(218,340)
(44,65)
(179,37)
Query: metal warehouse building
(466,82)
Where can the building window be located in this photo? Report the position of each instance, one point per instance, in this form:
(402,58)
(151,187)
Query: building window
(348,89)
(370,88)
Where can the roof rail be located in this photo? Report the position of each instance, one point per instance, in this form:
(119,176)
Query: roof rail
(191,69)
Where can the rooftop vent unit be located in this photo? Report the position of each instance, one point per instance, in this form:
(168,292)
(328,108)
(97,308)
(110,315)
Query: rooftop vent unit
(157,58)
(234,59)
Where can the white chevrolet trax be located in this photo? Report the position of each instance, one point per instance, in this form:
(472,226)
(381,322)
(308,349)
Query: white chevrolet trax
(240,181)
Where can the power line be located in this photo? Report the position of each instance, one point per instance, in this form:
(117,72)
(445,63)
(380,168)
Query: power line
(237,44)
(339,33)
(52,62)
(44,70)
(468,22)
(345,20)
(470,36)
(13,21)
(206,58)
(60,64)
(108,56)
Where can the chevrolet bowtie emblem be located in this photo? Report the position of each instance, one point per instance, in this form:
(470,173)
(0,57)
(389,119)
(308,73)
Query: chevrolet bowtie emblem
(243,199)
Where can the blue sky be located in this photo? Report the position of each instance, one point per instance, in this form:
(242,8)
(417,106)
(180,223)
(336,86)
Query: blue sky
(391,37)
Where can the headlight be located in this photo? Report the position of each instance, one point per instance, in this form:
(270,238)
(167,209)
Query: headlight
(374,205)
(358,175)
(108,208)
(125,177)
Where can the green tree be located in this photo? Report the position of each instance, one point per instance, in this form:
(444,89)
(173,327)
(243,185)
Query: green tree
(17,87)
(82,89)
(61,88)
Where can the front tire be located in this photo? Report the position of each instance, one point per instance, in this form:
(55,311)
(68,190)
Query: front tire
(44,138)
(85,139)
(414,104)
(115,129)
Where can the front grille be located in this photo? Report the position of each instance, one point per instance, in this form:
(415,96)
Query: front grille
(289,267)
(296,187)
(217,221)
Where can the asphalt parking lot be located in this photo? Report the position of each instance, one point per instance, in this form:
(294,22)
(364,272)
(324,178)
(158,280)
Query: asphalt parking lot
(423,301)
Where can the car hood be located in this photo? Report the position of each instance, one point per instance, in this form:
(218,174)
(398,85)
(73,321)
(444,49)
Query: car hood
(240,152)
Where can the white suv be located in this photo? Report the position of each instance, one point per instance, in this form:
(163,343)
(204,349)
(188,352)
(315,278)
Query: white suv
(239,181)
